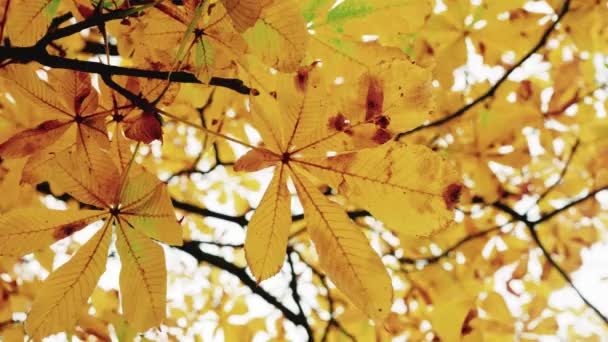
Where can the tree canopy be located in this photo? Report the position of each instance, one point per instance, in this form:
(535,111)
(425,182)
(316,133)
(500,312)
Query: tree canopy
(303,170)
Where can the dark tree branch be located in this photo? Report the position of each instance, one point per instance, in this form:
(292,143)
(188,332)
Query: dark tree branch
(38,53)
(490,92)
(194,209)
(24,55)
(192,248)
(221,244)
(99,49)
(92,21)
(293,285)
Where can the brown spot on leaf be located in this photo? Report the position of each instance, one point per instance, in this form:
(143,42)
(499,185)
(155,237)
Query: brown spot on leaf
(343,159)
(518,13)
(524,91)
(68,229)
(339,123)
(273,94)
(374,99)
(482,48)
(301,78)
(451,195)
(49,125)
(381,136)
(429,49)
(382,121)
(466,325)
(210,9)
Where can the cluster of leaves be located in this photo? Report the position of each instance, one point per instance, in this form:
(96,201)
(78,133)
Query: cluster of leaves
(446,186)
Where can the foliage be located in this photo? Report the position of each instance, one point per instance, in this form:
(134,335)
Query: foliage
(360,169)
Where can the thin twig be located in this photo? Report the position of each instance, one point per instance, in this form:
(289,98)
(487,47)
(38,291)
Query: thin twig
(561,174)
(532,225)
(452,248)
(490,92)
(550,215)
(293,285)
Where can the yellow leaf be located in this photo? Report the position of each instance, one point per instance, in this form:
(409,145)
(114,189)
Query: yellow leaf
(65,292)
(395,95)
(13,332)
(298,118)
(93,183)
(448,317)
(280,36)
(31,140)
(27,84)
(146,206)
(244,13)
(344,252)
(496,308)
(29,20)
(388,19)
(94,326)
(267,232)
(104,302)
(143,278)
(23,231)
(408,187)
(46,257)
(548,326)
(256,159)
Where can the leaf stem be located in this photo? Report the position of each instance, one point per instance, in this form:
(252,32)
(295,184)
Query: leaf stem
(206,130)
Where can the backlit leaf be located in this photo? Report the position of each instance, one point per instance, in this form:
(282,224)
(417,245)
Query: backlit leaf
(143,278)
(62,298)
(146,206)
(344,252)
(279,37)
(267,232)
(23,231)
(410,188)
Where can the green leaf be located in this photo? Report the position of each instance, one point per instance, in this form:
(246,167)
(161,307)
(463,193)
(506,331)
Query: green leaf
(348,9)
(484,118)
(197,14)
(203,53)
(51,9)
(310,12)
